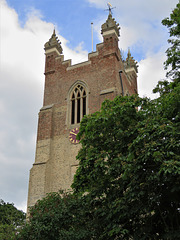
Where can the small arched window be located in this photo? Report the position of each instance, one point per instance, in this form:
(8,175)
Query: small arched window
(78,104)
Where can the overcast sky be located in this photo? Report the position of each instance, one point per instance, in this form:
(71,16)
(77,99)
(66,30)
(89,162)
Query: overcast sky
(25,25)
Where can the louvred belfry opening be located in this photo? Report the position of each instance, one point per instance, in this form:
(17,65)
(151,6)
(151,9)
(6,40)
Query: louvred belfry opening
(78,104)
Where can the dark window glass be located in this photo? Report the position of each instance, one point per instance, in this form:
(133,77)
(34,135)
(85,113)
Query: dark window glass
(73,112)
(84,106)
(78,110)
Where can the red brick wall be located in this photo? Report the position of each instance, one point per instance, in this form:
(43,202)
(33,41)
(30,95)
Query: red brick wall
(100,74)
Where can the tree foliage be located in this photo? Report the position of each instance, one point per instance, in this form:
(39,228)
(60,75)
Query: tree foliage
(129,166)
(10,220)
(172,64)
(173,52)
(59,215)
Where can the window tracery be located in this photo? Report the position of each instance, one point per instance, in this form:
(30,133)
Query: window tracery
(78,100)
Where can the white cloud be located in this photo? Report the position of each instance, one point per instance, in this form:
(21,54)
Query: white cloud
(128,37)
(150,72)
(22,206)
(154,9)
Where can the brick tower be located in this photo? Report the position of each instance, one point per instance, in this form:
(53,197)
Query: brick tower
(72,91)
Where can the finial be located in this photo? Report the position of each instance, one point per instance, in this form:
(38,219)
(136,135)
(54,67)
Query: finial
(110,23)
(109,8)
(130,62)
(53,43)
(129,53)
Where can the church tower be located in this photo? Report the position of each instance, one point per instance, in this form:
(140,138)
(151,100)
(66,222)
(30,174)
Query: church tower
(70,92)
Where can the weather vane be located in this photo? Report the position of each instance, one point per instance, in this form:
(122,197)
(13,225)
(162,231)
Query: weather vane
(110,8)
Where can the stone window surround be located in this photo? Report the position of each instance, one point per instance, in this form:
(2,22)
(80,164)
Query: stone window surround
(69,108)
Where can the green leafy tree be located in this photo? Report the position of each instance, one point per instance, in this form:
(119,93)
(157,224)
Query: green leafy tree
(11,219)
(172,64)
(173,52)
(59,215)
(129,167)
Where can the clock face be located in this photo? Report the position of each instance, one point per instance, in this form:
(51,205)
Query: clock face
(72,135)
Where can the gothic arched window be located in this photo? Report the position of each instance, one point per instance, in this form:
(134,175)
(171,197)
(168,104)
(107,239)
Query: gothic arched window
(78,104)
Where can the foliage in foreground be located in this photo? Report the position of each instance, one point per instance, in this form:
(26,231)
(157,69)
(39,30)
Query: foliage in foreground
(58,216)
(129,165)
(11,219)
(173,52)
